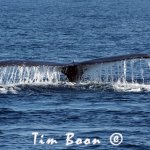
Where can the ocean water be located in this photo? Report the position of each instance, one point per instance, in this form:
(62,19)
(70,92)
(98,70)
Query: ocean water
(67,31)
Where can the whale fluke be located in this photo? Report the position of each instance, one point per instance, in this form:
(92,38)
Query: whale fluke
(75,70)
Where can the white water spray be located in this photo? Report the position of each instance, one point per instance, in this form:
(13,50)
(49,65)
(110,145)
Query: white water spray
(125,75)
(17,75)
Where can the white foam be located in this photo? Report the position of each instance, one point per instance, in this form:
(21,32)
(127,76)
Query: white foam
(3,90)
(149,64)
(9,89)
(130,87)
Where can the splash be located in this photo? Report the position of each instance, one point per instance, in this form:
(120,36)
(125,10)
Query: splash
(18,75)
(11,77)
(126,75)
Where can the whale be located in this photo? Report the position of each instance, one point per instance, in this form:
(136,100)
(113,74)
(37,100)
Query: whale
(74,70)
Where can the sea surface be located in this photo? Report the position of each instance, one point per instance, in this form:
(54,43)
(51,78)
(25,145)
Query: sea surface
(66,31)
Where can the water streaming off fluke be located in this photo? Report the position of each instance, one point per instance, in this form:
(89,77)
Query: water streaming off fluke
(122,75)
(15,75)
(125,75)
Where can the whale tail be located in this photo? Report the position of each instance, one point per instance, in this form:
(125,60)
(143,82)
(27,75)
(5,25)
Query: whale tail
(74,71)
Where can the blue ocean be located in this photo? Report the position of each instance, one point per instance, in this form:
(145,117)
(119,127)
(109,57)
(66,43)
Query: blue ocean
(40,109)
